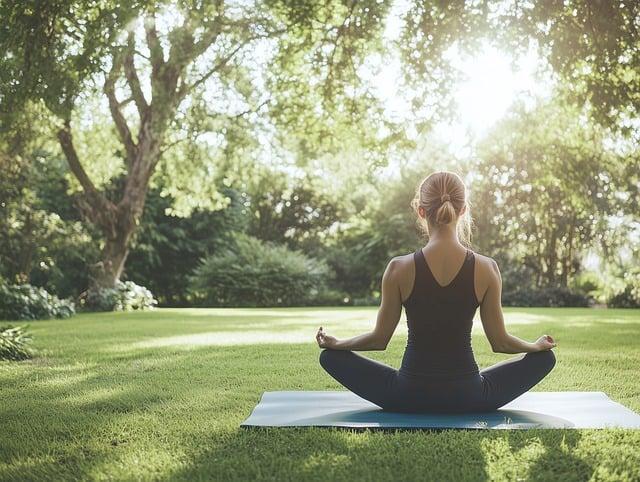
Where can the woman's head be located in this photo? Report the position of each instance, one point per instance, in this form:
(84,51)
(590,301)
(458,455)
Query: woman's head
(441,199)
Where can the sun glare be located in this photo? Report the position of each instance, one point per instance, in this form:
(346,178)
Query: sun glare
(489,87)
(491,82)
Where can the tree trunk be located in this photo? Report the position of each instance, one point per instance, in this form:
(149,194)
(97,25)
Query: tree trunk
(552,259)
(120,231)
(108,271)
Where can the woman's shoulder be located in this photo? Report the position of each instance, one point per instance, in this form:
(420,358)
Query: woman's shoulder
(402,261)
(485,263)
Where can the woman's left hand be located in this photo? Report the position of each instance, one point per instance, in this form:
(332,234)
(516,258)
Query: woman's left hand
(324,340)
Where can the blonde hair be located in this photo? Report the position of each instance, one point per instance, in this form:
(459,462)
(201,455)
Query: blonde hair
(443,195)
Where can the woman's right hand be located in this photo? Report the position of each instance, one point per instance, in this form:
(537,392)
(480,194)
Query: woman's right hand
(545,342)
(324,340)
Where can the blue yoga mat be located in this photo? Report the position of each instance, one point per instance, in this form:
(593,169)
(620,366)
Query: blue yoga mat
(563,410)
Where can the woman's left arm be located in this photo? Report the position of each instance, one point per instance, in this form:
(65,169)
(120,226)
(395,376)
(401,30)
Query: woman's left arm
(386,323)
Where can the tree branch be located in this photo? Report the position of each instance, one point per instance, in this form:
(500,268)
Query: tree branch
(132,77)
(114,106)
(331,61)
(252,110)
(211,33)
(220,64)
(155,48)
(226,59)
(96,199)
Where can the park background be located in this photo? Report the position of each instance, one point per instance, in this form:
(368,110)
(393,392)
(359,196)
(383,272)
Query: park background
(189,189)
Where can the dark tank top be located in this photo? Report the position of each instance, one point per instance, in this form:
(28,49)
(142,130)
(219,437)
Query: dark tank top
(439,321)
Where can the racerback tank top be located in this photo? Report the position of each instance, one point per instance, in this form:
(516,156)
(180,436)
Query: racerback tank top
(439,322)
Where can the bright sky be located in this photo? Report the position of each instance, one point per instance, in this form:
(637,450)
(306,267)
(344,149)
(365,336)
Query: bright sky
(489,87)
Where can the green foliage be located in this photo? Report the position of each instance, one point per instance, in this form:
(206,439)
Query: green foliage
(628,296)
(589,283)
(550,296)
(289,211)
(321,103)
(330,297)
(255,273)
(545,189)
(591,45)
(26,302)
(42,240)
(53,48)
(382,225)
(168,248)
(14,343)
(125,296)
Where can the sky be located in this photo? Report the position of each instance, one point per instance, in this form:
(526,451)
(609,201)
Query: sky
(491,83)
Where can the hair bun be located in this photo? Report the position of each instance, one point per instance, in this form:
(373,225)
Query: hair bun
(445,197)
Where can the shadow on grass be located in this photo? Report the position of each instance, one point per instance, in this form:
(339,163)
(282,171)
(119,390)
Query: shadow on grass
(330,454)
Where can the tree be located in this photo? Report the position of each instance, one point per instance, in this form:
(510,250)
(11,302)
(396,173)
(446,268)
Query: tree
(58,52)
(546,188)
(274,71)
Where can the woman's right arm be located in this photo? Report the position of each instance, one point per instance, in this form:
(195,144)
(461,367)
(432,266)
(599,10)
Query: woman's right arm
(493,320)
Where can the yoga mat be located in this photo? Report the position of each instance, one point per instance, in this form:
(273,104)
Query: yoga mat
(547,410)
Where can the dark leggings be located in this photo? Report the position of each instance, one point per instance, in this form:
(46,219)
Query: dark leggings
(393,390)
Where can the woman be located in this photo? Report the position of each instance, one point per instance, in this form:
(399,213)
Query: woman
(440,286)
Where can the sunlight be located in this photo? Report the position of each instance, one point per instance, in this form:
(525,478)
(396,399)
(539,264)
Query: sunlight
(491,85)
(228,338)
(491,82)
(264,333)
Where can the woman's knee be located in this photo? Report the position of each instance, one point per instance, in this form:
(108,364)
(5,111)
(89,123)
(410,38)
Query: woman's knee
(546,358)
(324,356)
(327,357)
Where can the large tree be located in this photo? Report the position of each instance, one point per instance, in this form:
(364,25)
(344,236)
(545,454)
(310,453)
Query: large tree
(156,63)
(547,186)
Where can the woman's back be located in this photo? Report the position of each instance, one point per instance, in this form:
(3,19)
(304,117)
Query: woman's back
(439,320)
(445,283)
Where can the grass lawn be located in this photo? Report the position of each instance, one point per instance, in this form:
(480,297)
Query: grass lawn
(160,395)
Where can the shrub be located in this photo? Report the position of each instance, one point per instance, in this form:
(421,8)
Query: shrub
(548,296)
(587,282)
(629,295)
(26,302)
(331,297)
(125,296)
(255,273)
(366,301)
(14,343)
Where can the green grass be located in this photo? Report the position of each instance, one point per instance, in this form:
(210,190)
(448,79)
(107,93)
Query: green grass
(160,395)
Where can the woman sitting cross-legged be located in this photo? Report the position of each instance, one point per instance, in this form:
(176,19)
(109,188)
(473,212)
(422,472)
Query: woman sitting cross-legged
(440,286)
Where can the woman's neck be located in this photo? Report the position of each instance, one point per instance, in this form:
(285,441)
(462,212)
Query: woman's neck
(444,234)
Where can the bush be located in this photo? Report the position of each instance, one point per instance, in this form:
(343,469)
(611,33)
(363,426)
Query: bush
(125,296)
(26,302)
(629,295)
(549,296)
(366,301)
(14,343)
(331,297)
(587,282)
(255,273)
